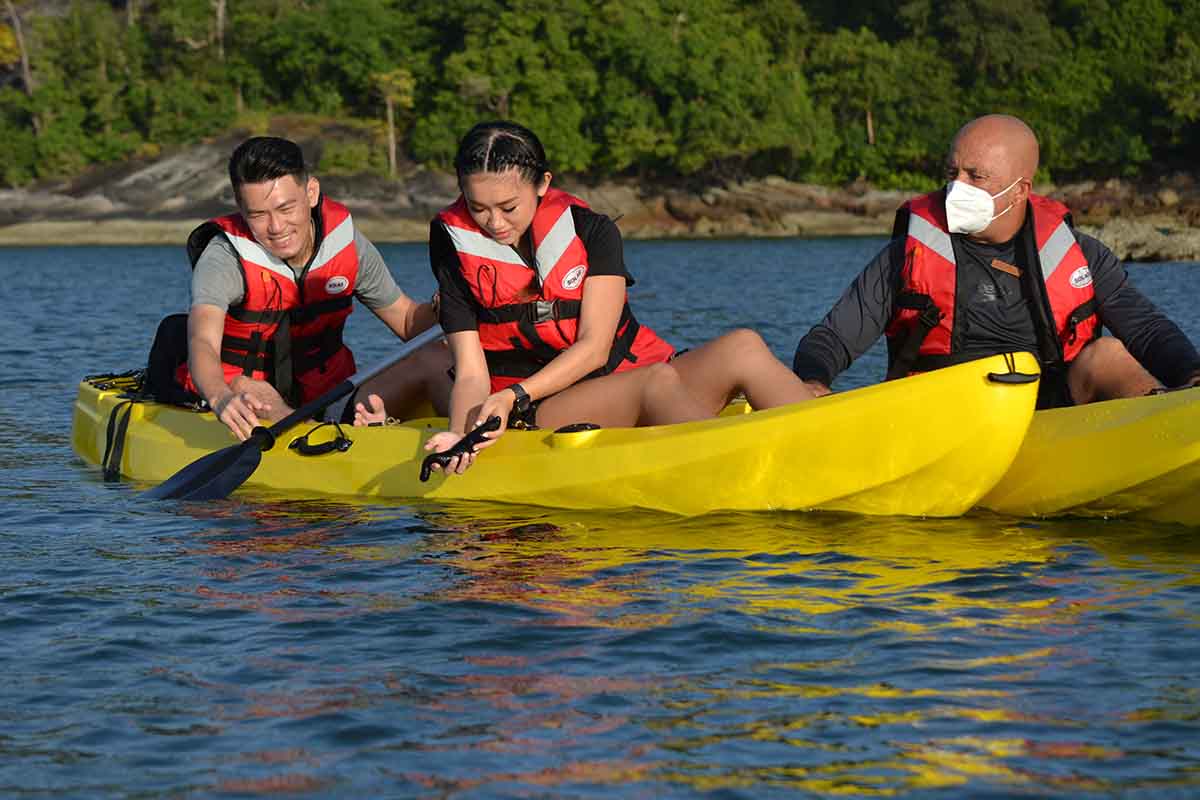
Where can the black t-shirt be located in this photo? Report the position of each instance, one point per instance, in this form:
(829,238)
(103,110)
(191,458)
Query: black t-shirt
(996,318)
(459,308)
(1001,319)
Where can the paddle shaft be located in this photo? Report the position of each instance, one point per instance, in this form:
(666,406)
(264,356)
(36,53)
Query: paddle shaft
(319,404)
(217,474)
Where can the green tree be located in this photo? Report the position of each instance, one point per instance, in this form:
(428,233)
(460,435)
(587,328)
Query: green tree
(527,64)
(895,106)
(10,50)
(713,90)
(1177,87)
(987,43)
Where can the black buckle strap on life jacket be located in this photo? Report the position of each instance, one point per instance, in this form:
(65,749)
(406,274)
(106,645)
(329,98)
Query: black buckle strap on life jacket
(622,347)
(307,313)
(283,369)
(536,345)
(237,352)
(516,312)
(312,352)
(928,318)
(1078,315)
(299,316)
(114,440)
(264,317)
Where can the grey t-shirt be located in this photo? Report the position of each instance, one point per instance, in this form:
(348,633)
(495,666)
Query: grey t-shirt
(217,277)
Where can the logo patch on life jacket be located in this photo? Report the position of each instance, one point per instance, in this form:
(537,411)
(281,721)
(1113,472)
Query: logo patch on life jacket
(573,278)
(337,284)
(1081,277)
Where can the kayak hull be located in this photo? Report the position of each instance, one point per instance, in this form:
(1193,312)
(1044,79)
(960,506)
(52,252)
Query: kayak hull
(1137,457)
(928,445)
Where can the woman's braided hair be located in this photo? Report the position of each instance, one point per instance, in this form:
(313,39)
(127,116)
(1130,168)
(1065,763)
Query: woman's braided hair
(498,146)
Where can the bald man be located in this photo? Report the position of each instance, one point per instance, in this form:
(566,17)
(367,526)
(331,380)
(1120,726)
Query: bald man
(986,266)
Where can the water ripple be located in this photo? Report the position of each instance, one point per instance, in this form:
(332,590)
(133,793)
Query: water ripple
(264,645)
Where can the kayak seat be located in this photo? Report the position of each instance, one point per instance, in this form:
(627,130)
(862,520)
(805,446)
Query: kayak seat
(168,350)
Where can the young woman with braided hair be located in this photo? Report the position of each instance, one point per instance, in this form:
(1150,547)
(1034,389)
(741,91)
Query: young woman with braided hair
(533,302)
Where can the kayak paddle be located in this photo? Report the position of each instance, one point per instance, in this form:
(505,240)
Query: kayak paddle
(216,475)
(467,444)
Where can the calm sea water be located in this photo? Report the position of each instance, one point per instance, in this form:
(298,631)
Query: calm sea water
(268,646)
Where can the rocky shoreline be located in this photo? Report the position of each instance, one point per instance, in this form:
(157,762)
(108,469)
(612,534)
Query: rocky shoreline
(159,202)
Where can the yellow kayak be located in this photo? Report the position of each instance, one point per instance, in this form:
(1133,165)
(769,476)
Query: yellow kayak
(928,445)
(1137,457)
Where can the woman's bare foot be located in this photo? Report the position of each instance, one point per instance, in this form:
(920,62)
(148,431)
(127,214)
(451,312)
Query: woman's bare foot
(373,413)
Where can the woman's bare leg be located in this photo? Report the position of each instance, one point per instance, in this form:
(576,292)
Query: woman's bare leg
(402,390)
(739,362)
(650,395)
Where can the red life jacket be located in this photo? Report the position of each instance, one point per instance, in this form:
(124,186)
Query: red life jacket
(527,316)
(288,330)
(925,307)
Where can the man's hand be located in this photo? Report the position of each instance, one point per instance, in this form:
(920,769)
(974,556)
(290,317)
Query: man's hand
(818,389)
(239,411)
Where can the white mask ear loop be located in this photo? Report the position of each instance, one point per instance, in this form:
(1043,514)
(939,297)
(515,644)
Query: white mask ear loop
(1010,205)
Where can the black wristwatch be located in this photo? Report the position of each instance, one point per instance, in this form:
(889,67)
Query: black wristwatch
(522,403)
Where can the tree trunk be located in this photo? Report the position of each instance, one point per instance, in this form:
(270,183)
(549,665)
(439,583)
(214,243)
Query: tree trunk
(104,106)
(26,71)
(131,13)
(391,119)
(219,6)
(870,128)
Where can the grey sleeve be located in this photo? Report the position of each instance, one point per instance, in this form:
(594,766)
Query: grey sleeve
(217,278)
(375,287)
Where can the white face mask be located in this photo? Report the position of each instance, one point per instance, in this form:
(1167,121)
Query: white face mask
(969,208)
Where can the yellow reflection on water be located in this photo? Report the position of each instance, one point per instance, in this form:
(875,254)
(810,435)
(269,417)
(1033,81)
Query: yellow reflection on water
(808,576)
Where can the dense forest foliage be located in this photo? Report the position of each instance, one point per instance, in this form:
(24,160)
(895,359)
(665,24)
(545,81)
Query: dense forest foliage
(819,90)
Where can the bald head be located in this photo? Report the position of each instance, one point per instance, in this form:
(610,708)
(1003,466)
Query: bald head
(1006,143)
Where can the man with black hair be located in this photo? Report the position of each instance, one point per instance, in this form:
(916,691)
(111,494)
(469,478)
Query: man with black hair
(272,286)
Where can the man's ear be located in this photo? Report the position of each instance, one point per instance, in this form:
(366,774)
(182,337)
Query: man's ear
(314,191)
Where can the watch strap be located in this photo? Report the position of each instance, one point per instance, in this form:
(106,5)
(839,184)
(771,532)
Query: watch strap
(523,399)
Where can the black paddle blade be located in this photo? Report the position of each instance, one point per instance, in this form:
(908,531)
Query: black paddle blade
(464,445)
(212,477)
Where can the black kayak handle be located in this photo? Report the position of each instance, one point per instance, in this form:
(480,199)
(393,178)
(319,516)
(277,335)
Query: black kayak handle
(340,443)
(1013,377)
(464,445)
